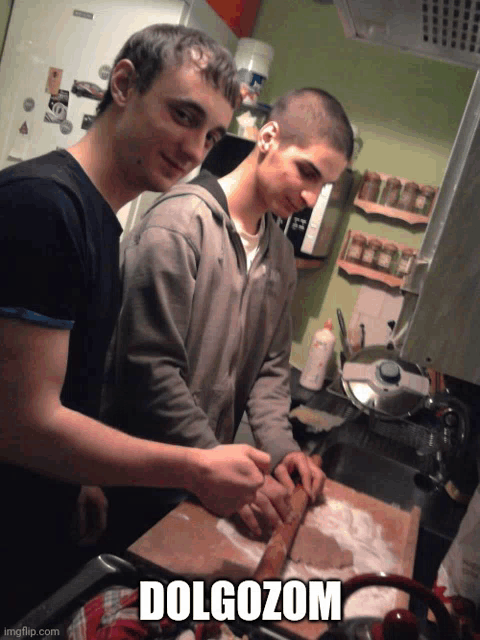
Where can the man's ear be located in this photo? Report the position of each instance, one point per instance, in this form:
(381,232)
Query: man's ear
(123,82)
(268,136)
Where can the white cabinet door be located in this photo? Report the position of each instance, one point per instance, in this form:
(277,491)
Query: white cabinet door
(76,36)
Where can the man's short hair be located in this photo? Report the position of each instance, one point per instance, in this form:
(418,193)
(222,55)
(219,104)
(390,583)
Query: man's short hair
(309,115)
(163,46)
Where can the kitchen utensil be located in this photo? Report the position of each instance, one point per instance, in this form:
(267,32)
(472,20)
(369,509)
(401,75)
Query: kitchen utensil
(279,545)
(362,341)
(399,623)
(347,350)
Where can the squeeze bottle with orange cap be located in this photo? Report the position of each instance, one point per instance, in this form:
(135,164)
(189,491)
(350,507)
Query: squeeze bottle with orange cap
(321,350)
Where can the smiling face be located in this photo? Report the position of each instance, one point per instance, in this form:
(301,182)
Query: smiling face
(163,134)
(289,177)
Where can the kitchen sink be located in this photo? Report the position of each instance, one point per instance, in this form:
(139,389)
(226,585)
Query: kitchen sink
(371,473)
(402,486)
(393,482)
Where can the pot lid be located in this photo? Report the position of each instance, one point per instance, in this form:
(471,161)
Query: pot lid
(376,379)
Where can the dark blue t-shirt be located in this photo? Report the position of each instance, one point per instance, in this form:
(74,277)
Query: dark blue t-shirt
(60,268)
(59,258)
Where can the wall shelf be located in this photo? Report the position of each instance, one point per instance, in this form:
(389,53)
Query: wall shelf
(353,268)
(370,274)
(305,263)
(390,212)
(410,217)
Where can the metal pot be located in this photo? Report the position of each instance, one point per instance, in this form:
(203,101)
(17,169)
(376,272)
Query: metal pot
(375,379)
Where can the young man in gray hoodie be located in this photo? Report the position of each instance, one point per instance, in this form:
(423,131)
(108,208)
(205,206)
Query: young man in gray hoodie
(208,277)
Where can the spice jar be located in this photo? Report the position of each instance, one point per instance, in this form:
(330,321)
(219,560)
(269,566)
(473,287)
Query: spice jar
(391,192)
(408,197)
(385,256)
(355,248)
(370,251)
(424,200)
(405,262)
(370,186)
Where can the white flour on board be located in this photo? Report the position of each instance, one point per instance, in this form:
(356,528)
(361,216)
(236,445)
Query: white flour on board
(353,529)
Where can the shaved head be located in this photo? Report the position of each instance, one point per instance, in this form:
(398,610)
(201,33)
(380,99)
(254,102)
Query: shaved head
(312,115)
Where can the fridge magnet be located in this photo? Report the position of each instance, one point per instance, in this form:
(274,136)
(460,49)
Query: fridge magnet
(85,89)
(78,13)
(57,108)
(54,79)
(28,104)
(66,127)
(21,144)
(104,71)
(87,121)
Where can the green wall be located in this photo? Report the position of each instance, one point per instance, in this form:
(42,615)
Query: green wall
(407,109)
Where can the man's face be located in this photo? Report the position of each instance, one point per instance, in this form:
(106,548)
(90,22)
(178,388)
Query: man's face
(166,132)
(291,177)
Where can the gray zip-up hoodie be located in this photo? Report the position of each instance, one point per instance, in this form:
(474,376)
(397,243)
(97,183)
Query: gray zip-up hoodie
(199,340)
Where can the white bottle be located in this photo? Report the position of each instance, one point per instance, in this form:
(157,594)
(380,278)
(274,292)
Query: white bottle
(321,349)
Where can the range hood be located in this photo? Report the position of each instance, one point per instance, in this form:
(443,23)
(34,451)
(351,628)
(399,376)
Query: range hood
(439,323)
(447,30)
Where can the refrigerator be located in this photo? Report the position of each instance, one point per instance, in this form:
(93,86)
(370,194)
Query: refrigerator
(56,62)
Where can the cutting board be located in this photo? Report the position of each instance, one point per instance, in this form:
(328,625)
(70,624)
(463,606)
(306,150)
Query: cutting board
(192,543)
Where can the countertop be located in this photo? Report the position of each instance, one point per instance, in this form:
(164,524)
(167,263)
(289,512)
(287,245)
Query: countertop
(219,553)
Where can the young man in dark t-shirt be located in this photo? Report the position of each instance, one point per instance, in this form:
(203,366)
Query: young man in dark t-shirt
(171,96)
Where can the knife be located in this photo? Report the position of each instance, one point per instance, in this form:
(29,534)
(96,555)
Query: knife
(347,350)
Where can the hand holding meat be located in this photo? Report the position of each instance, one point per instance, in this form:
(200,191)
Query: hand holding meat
(229,476)
(271,506)
(268,510)
(311,476)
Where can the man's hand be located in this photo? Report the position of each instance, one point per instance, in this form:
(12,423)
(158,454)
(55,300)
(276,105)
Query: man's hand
(90,518)
(311,476)
(269,509)
(228,476)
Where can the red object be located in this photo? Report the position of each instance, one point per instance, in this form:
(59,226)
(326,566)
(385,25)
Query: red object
(113,615)
(377,631)
(400,624)
(239,15)
(205,630)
